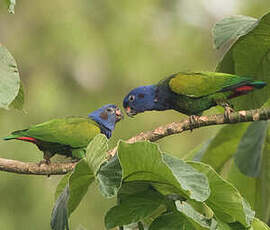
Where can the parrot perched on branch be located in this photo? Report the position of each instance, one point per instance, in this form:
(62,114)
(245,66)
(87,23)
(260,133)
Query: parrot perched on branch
(69,136)
(190,93)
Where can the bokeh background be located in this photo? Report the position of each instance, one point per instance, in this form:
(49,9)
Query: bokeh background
(75,56)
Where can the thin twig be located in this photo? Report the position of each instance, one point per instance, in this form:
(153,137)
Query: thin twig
(154,135)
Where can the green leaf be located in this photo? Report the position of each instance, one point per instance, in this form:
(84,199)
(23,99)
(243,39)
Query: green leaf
(19,99)
(171,221)
(109,177)
(195,218)
(61,185)
(258,225)
(85,170)
(231,28)
(9,78)
(133,208)
(11,6)
(79,182)
(96,152)
(143,161)
(223,145)
(76,183)
(225,201)
(218,224)
(249,153)
(258,188)
(59,217)
(249,56)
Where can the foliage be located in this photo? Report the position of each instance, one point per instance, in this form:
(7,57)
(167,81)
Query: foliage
(74,186)
(11,90)
(248,56)
(11,6)
(155,190)
(165,188)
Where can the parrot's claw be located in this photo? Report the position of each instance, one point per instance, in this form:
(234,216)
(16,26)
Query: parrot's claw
(45,161)
(228,110)
(193,120)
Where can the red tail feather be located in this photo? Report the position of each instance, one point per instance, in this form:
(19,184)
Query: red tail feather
(29,139)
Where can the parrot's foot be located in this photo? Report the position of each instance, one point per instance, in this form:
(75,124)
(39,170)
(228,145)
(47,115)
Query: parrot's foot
(193,121)
(45,161)
(228,110)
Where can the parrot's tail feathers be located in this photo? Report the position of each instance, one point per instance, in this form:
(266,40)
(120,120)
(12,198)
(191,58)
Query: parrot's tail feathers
(15,135)
(258,84)
(9,137)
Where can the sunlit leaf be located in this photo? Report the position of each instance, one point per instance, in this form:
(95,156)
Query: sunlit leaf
(76,183)
(143,161)
(225,201)
(195,218)
(258,225)
(9,79)
(231,28)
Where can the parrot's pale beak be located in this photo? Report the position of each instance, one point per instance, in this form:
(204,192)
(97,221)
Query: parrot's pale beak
(119,115)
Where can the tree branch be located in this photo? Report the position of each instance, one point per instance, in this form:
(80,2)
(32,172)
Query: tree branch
(154,135)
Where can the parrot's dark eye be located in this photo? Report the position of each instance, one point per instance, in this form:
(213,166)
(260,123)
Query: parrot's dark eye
(110,110)
(131,98)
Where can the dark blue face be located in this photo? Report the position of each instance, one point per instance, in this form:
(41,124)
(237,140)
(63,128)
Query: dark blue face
(139,100)
(107,116)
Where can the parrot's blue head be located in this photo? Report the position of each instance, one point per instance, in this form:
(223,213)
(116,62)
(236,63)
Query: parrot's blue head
(107,116)
(139,100)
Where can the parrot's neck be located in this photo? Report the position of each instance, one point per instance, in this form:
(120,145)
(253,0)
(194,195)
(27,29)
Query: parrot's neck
(106,132)
(161,98)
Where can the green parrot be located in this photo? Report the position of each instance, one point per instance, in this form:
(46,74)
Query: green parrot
(69,136)
(190,93)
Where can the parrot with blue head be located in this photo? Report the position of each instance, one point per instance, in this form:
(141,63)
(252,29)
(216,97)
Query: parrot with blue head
(190,93)
(69,136)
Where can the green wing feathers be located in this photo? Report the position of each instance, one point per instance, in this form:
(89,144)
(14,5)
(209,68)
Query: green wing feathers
(206,83)
(75,132)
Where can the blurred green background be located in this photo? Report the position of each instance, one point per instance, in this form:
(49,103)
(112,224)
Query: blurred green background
(75,56)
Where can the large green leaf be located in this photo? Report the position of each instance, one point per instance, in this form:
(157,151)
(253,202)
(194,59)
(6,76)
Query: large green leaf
(225,201)
(249,153)
(79,182)
(258,188)
(18,102)
(231,28)
(59,217)
(171,221)
(248,56)
(109,177)
(223,145)
(76,184)
(258,225)
(133,208)
(195,218)
(143,161)
(96,152)
(9,78)
(62,185)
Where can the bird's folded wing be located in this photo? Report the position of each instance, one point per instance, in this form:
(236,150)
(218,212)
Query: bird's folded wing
(204,83)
